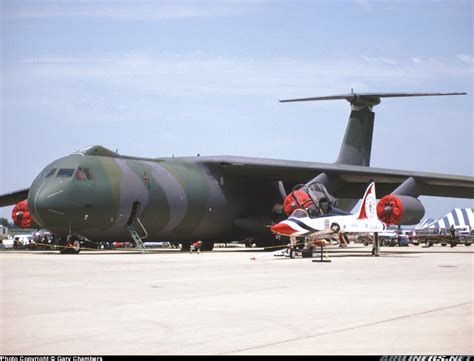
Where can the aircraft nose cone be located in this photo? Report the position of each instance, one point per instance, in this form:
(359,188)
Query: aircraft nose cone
(283,228)
(47,204)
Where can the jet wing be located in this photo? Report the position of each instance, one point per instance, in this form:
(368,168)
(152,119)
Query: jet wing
(353,179)
(13,198)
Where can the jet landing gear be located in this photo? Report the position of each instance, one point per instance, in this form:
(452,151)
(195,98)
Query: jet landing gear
(299,248)
(375,246)
(72,245)
(206,246)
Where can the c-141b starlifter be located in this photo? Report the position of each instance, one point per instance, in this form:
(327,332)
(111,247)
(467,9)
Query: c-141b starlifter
(99,195)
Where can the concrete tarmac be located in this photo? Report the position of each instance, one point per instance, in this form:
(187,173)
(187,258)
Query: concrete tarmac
(407,301)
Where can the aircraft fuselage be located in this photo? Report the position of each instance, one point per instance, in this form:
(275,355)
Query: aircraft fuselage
(92,193)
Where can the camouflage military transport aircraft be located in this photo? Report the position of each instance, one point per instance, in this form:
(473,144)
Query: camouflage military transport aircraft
(100,195)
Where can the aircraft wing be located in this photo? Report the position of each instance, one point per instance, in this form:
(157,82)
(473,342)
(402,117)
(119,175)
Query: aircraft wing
(352,179)
(13,198)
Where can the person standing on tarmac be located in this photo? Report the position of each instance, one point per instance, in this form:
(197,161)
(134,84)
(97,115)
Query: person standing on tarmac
(452,231)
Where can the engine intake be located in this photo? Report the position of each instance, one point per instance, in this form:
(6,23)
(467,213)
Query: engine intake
(21,215)
(400,210)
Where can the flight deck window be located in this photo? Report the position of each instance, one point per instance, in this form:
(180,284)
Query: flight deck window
(89,174)
(80,175)
(65,173)
(83,174)
(51,172)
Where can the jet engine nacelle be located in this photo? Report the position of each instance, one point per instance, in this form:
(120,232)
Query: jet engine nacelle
(22,217)
(400,210)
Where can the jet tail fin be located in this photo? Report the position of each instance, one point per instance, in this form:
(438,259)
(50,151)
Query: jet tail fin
(357,144)
(368,206)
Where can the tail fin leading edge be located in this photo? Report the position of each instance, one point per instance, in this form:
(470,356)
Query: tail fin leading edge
(368,207)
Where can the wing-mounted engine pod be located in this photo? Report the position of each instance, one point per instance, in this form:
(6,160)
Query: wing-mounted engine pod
(21,215)
(400,210)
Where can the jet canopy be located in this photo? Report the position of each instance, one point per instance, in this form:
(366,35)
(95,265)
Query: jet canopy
(313,198)
(299,213)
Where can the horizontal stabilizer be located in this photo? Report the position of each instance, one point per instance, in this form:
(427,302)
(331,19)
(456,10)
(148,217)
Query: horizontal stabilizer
(367,98)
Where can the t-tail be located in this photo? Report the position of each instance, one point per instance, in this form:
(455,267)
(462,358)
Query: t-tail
(357,143)
(368,206)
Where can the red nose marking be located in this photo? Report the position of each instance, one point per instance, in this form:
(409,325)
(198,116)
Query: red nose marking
(283,228)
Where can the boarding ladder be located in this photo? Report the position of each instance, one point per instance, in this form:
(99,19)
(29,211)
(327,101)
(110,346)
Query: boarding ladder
(136,237)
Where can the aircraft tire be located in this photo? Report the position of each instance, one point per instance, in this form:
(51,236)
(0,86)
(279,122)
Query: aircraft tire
(76,247)
(73,247)
(292,253)
(467,244)
(207,246)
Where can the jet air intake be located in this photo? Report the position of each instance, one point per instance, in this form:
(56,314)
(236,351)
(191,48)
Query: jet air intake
(21,215)
(400,210)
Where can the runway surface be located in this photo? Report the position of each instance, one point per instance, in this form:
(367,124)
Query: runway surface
(407,301)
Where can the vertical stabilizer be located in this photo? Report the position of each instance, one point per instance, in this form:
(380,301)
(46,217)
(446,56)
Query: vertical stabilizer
(357,144)
(368,206)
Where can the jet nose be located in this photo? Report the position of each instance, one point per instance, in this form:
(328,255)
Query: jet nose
(284,229)
(48,203)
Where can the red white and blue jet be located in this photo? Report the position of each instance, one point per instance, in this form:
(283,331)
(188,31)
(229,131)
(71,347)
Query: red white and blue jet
(365,220)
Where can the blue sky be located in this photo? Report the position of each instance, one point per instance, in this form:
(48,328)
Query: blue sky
(156,78)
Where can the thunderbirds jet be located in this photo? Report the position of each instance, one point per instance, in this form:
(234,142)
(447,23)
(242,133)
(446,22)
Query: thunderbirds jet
(301,223)
(100,195)
(316,219)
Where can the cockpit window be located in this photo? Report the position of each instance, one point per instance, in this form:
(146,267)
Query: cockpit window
(299,213)
(80,175)
(83,174)
(65,173)
(51,172)
(89,174)
(312,198)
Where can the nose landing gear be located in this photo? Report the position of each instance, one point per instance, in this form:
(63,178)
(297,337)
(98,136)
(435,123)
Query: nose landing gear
(72,245)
